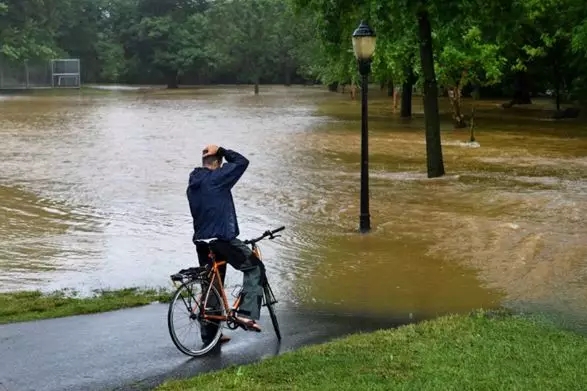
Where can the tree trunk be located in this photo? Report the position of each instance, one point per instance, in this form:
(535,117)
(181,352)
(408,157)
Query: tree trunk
(333,87)
(390,88)
(172,81)
(287,74)
(476,94)
(353,90)
(472,125)
(454,95)
(257,85)
(521,91)
(406,110)
(557,89)
(435,164)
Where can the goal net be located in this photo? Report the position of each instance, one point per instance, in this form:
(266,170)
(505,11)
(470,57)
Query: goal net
(65,73)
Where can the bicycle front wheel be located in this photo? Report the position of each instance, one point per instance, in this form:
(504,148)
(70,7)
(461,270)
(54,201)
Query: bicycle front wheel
(191,334)
(270,301)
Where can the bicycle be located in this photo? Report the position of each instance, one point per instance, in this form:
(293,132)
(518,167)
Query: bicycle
(211,308)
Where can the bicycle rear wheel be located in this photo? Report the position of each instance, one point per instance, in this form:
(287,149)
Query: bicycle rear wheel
(184,319)
(270,301)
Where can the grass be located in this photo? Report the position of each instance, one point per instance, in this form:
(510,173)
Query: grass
(480,351)
(34,305)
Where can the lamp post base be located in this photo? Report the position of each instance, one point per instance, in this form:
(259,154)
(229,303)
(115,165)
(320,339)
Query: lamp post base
(365,223)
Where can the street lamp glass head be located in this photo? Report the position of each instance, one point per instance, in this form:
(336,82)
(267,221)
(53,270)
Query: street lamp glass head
(364,42)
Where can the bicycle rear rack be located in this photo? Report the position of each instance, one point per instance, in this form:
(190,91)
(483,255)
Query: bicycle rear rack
(193,273)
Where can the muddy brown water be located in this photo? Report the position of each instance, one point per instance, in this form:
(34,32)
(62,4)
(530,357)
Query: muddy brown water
(92,196)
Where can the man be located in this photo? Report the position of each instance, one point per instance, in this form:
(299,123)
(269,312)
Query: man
(212,209)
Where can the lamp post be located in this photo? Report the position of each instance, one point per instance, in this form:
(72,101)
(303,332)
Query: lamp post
(364,46)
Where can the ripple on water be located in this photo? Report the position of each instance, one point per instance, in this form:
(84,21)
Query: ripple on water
(101,200)
(33,229)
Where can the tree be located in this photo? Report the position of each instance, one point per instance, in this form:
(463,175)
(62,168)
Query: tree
(168,36)
(27,29)
(435,164)
(396,51)
(467,57)
(541,46)
(246,35)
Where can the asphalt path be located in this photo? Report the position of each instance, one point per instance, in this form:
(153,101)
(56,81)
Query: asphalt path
(131,349)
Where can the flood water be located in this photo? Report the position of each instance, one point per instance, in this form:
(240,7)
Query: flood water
(92,196)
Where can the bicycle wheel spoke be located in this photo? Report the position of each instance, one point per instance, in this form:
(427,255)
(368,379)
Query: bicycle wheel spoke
(194,336)
(191,296)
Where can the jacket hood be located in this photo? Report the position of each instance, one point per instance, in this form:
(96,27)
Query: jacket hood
(197,176)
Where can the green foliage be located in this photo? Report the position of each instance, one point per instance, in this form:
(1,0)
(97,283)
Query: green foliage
(27,30)
(475,41)
(468,58)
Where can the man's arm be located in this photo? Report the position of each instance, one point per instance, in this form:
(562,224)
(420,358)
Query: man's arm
(231,171)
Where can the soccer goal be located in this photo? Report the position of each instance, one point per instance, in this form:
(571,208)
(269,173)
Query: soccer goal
(65,73)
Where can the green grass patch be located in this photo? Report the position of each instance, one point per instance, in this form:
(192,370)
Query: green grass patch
(34,305)
(481,351)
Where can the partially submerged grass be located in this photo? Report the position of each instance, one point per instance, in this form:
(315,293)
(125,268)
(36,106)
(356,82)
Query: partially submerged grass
(34,305)
(484,350)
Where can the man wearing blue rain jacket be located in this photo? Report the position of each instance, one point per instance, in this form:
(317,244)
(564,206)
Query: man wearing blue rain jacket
(212,209)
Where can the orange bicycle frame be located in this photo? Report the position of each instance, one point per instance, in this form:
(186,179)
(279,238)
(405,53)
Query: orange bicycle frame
(216,277)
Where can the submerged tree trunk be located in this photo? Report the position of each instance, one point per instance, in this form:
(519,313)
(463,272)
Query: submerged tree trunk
(408,85)
(172,79)
(353,90)
(390,88)
(476,94)
(257,85)
(435,164)
(287,78)
(472,125)
(287,73)
(454,95)
(521,91)
(557,84)
(333,87)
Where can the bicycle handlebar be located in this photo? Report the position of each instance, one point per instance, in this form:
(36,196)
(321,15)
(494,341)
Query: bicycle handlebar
(267,233)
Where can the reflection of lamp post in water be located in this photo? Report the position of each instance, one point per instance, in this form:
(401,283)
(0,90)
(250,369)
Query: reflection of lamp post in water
(364,46)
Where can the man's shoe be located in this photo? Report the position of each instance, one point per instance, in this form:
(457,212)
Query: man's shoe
(224,338)
(248,324)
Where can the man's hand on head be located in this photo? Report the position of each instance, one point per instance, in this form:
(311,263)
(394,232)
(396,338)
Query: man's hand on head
(210,150)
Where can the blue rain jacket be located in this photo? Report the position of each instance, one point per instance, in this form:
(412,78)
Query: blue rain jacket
(210,198)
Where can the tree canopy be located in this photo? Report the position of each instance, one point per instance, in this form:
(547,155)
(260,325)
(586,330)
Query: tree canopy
(500,46)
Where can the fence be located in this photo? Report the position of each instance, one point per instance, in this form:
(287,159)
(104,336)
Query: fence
(59,73)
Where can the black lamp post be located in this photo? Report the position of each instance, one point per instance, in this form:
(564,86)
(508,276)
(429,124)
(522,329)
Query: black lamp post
(364,46)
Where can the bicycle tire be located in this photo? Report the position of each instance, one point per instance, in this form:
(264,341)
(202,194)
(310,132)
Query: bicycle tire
(269,301)
(205,348)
